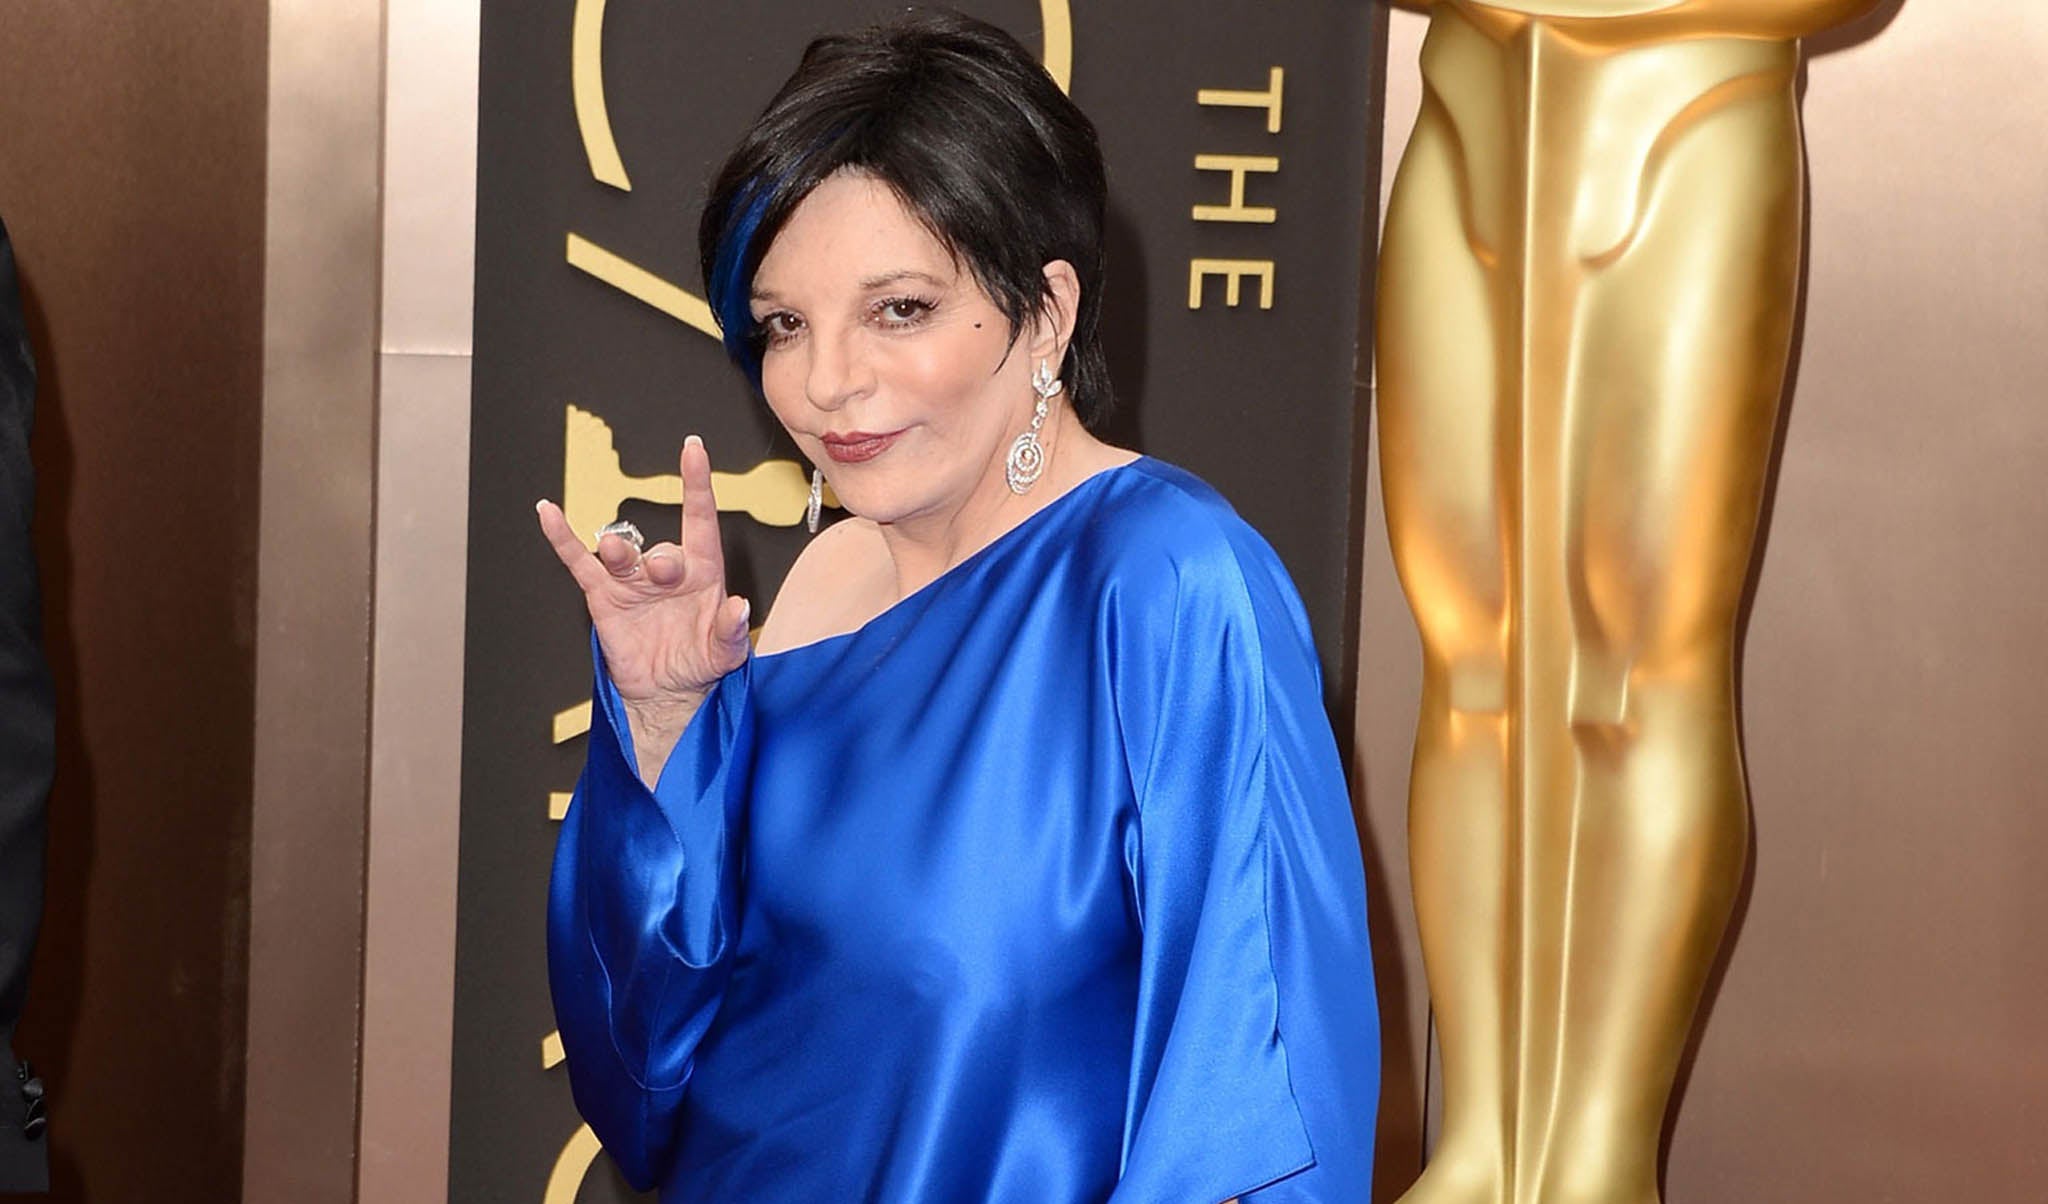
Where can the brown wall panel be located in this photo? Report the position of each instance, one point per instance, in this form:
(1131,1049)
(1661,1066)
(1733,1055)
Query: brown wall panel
(422,501)
(131,176)
(1874,1031)
(312,745)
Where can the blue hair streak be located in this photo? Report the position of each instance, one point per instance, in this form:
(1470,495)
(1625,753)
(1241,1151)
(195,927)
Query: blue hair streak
(732,279)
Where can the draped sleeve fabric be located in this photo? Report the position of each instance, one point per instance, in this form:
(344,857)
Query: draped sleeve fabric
(642,917)
(1255,1060)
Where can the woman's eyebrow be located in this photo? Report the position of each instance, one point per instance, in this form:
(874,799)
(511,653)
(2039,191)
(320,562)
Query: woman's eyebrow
(888,278)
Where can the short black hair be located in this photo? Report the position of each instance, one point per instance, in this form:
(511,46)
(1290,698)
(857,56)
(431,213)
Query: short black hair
(967,129)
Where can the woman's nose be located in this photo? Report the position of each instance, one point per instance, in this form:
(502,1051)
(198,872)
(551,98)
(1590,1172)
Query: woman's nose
(838,373)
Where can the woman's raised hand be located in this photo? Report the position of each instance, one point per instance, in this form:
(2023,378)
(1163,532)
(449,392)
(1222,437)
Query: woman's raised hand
(668,628)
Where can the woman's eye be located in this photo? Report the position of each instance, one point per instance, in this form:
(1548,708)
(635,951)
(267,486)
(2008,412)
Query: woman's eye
(903,311)
(778,328)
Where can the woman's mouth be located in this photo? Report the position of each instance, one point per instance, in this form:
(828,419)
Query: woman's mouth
(852,447)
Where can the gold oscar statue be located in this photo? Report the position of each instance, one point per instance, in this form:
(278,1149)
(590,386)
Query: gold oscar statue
(773,492)
(1587,292)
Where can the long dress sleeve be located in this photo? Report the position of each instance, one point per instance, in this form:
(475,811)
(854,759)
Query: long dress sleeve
(1255,1067)
(642,917)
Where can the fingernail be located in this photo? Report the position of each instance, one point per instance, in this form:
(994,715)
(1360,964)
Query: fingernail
(693,439)
(746,611)
(537,505)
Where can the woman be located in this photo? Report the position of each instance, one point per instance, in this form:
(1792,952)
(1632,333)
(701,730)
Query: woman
(1014,863)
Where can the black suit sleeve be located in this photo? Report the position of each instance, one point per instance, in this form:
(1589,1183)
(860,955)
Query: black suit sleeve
(27,742)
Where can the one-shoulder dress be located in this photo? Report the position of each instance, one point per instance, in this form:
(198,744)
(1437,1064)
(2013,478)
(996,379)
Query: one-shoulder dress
(1041,887)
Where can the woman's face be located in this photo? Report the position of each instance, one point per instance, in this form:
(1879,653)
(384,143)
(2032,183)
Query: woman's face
(884,359)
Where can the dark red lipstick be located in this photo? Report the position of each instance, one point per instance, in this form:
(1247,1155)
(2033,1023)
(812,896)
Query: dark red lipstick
(853,447)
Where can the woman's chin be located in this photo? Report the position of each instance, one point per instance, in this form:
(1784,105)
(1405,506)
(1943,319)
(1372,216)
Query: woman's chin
(864,502)
(875,492)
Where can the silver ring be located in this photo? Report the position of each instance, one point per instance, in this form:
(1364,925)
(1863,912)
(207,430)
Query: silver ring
(624,530)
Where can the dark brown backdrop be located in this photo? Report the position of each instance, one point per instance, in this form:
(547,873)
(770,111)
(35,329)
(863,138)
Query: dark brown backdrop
(131,176)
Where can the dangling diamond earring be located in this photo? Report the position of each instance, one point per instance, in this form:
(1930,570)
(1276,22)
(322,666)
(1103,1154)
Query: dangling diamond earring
(1027,456)
(817,502)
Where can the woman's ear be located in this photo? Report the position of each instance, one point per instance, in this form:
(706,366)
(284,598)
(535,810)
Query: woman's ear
(1056,317)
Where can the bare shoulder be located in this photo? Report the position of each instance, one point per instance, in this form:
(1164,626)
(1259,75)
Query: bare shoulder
(839,581)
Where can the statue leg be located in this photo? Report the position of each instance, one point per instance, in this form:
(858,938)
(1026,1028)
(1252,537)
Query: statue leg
(1670,391)
(1440,459)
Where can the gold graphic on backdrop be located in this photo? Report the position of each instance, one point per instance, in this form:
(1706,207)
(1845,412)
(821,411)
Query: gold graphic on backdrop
(641,285)
(1587,290)
(1237,98)
(571,722)
(774,492)
(586,83)
(1239,168)
(1233,272)
(571,1165)
(1058,50)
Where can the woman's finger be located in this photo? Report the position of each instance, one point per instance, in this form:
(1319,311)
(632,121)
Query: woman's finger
(619,557)
(584,567)
(700,543)
(739,615)
(732,626)
(664,565)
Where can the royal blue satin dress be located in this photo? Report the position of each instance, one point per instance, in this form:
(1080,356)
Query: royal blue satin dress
(1039,888)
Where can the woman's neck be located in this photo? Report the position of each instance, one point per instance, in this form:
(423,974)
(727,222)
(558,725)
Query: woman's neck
(925,546)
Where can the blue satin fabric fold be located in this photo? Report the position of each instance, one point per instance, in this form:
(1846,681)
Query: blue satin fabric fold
(1042,886)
